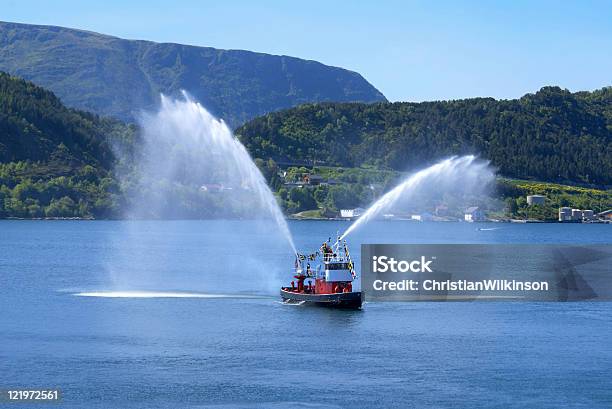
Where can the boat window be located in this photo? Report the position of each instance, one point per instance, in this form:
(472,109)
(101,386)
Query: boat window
(337,266)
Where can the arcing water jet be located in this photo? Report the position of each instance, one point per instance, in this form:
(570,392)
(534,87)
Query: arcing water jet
(187,165)
(465,175)
(192,166)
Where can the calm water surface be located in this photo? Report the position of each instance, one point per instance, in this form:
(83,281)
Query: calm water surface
(235,352)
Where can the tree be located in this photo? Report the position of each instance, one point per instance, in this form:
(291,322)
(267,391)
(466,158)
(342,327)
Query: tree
(303,199)
(342,197)
(64,207)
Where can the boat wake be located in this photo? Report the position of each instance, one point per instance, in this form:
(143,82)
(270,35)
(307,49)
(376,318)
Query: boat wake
(294,303)
(161,294)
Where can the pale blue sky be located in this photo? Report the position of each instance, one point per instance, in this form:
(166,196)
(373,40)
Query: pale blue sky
(410,50)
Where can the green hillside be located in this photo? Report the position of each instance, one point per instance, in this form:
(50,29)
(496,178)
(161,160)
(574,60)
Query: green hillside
(54,161)
(552,135)
(116,77)
(60,162)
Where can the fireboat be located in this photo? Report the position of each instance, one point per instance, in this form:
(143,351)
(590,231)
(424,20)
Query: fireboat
(333,278)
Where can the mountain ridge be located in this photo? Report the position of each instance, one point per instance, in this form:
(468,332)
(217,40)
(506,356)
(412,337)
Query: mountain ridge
(91,71)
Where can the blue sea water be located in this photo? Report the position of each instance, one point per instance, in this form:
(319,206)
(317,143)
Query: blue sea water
(244,348)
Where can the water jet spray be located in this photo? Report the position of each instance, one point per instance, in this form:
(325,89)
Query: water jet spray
(464,173)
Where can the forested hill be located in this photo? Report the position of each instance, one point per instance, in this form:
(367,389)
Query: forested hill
(58,162)
(116,77)
(54,161)
(36,126)
(552,135)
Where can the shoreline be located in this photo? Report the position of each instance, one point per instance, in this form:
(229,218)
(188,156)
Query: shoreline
(515,221)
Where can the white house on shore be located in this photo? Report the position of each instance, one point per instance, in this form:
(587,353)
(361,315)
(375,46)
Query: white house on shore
(422,217)
(474,214)
(351,213)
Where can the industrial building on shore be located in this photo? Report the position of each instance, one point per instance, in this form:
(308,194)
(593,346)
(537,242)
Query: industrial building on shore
(567,214)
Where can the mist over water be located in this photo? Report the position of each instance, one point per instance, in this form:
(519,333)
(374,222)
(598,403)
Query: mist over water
(191,165)
(458,181)
(187,166)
